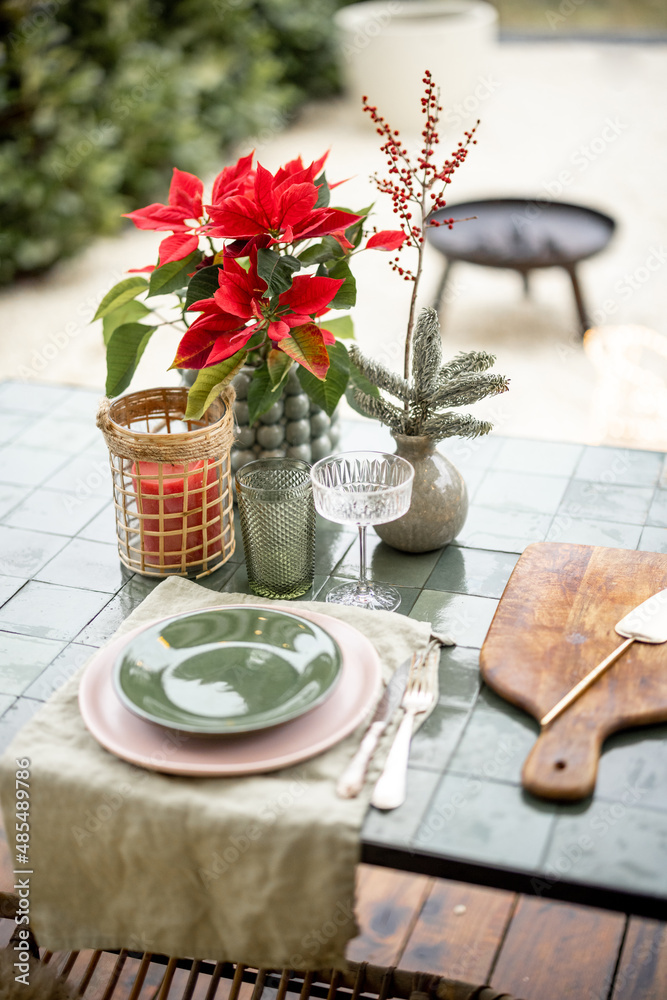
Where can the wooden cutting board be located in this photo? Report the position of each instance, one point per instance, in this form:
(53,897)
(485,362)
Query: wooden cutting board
(554,623)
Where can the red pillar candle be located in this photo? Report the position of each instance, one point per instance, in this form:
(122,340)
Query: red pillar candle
(177,512)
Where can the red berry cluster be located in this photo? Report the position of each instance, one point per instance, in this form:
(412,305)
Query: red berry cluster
(422,184)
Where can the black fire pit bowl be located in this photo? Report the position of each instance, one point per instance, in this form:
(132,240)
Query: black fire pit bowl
(522,235)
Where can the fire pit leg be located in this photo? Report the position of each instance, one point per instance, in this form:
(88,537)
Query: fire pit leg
(437,301)
(581,308)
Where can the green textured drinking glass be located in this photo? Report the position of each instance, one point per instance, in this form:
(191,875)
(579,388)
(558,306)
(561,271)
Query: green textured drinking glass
(275,499)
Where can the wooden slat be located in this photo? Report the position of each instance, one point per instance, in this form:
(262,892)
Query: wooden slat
(556,950)
(175,984)
(84,969)
(171,970)
(140,969)
(219,986)
(104,970)
(642,972)
(148,979)
(141,979)
(388,903)
(191,984)
(459,931)
(67,963)
(213,982)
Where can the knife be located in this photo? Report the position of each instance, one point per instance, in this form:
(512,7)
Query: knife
(351,780)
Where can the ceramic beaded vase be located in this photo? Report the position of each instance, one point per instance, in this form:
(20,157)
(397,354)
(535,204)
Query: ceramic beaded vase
(293,427)
(439,504)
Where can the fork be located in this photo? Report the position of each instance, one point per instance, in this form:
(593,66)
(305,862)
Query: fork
(419,696)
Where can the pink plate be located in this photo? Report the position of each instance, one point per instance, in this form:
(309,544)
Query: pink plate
(161,749)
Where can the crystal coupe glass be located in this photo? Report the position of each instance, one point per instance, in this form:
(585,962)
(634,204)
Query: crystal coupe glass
(362,488)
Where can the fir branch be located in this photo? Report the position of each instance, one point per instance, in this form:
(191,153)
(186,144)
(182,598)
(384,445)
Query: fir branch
(455,425)
(380,409)
(381,376)
(466,361)
(467,389)
(426,353)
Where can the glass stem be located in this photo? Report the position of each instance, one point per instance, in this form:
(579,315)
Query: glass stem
(362,586)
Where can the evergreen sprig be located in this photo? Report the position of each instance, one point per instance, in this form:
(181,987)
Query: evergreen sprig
(427,351)
(381,376)
(433,387)
(467,389)
(380,409)
(471,361)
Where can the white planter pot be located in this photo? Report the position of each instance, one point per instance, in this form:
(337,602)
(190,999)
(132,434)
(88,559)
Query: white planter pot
(387,44)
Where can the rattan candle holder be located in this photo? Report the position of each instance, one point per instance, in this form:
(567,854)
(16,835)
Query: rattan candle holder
(172,482)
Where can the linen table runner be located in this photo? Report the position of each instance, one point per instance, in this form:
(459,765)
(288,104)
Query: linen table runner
(258,870)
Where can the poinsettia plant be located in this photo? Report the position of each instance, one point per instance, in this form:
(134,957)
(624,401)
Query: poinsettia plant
(252,276)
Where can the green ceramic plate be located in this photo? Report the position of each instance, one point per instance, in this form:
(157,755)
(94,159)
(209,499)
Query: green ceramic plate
(227,670)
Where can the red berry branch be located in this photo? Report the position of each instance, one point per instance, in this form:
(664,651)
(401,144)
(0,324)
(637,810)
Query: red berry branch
(421,186)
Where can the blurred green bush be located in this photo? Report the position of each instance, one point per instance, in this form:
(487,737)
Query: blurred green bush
(99,99)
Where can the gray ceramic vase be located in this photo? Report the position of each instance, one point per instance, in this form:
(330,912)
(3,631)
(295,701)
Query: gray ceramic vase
(439,504)
(293,427)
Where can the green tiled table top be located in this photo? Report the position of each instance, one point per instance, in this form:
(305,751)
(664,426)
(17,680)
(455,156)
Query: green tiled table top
(63,592)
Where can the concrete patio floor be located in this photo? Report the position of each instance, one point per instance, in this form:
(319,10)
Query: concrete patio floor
(574,121)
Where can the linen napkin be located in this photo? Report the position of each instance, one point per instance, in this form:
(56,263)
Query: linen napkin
(257,869)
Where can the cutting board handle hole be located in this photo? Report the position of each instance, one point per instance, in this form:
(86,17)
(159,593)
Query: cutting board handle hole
(560,765)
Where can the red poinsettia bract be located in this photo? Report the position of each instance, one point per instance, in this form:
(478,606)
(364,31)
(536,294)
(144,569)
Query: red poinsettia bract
(282,206)
(183,212)
(388,239)
(240,307)
(252,207)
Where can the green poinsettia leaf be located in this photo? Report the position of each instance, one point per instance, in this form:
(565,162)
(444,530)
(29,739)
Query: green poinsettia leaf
(346,295)
(126,345)
(324,193)
(322,253)
(129,313)
(123,292)
(342,327)
(355,232)
(279,365)
(326,394)
(210,382)
(276,270)
(203,285)
(173,276)
(261,394)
